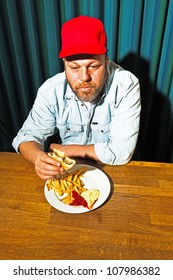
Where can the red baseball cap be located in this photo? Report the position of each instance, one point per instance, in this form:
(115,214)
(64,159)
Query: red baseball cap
(83,35)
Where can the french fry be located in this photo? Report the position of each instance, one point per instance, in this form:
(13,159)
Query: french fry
(66,183)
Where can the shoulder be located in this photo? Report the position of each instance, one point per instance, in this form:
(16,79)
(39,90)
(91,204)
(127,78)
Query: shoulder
(56,81)
(121,77)
(52,89)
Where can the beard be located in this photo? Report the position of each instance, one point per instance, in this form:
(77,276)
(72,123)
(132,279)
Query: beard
(89,91)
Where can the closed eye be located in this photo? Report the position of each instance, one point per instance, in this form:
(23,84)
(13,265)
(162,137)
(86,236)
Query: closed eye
(74,68)
(94,66)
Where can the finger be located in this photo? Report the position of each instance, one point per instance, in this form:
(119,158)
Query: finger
(48,169)
(45,174)
(49,160)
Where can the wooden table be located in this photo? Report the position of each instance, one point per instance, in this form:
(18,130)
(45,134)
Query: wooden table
(136,222)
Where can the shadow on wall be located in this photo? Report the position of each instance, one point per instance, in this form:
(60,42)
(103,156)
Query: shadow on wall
(156,127)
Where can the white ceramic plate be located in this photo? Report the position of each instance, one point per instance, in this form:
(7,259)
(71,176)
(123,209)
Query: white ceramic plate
(93,178)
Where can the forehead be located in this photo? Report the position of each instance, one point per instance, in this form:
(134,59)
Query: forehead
(85,58)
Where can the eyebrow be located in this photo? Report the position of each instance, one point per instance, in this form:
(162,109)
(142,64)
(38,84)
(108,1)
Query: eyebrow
(88,64)
(72,62)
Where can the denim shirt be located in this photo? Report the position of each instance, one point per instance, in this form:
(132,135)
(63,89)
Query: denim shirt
(112,124)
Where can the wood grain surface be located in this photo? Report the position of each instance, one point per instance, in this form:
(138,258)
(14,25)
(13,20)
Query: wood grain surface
(135,223)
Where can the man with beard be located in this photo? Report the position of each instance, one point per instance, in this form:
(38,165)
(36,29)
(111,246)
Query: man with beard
(94,104)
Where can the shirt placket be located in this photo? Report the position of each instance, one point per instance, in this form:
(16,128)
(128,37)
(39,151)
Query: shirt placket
(88,116)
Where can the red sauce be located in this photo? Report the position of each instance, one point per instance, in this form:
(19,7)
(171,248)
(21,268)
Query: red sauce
(78,200)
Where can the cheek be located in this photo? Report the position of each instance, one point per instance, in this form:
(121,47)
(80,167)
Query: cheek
(72,79)
(98,78)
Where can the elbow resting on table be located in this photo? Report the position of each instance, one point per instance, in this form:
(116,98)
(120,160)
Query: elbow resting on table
(110,156)
(122,160)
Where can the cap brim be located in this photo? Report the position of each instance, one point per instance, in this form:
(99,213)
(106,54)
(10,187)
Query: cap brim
(82,50)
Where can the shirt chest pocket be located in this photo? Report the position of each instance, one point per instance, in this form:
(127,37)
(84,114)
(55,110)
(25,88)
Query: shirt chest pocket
(70,133)
(100,132)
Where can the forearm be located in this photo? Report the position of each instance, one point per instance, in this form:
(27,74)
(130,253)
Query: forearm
(83,151)
(30,150)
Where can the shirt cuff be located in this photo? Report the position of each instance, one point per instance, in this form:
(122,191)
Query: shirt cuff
(104,154)
(18,140)
(107,156)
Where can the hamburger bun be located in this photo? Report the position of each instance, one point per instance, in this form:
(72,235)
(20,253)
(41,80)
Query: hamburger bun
(66,162)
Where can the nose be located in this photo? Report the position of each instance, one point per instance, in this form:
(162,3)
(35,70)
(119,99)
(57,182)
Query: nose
(84,74)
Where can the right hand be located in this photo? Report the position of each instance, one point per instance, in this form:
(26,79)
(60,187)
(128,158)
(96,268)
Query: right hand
(47,167)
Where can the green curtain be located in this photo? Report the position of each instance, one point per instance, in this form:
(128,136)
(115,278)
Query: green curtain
(139,38)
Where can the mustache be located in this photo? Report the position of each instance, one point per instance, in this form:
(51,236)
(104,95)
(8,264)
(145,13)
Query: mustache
(85,85)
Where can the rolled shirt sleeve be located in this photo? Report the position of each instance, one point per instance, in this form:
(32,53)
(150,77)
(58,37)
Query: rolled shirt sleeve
(124,126)
(40,123)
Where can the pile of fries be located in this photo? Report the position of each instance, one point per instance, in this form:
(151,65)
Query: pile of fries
(66,183)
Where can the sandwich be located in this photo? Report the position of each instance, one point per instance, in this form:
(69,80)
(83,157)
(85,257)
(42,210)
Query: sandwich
(90,196)
(66,162)
(86,199)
